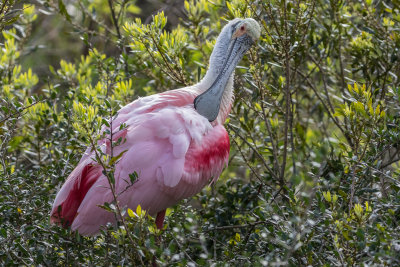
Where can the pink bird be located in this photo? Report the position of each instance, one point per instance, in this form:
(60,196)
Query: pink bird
(175,141)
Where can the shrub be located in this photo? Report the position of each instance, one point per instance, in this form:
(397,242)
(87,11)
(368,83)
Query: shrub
(313,173)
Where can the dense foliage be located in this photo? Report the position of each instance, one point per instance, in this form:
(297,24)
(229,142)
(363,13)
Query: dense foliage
(315,136)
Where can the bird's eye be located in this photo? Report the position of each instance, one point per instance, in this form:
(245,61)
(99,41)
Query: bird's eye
(234,26)
(242,28)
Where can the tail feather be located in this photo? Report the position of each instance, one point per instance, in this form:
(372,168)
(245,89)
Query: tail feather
(65,213)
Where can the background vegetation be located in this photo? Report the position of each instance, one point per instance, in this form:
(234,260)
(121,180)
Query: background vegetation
(313,172)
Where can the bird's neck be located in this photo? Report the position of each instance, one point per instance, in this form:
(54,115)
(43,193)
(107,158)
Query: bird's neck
(227,97)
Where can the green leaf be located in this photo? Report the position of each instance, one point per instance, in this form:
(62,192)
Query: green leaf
(105,122)
(15,142)
(131,213)
(63,10)
(12,20)
(133,177)
(106,207)
(115,159)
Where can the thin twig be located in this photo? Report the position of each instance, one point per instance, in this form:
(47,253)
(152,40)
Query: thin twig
(247,162)
(346,135)
(230,227)
(114,19)
(288,100)
(19,113)
(181,79)
(255,151)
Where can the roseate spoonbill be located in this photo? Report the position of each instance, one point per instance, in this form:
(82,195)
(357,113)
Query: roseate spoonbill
(175,141)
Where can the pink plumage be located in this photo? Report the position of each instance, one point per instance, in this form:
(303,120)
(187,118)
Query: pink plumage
(174,150)
(174,141)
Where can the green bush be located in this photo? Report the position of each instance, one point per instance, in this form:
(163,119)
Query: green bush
(315,137)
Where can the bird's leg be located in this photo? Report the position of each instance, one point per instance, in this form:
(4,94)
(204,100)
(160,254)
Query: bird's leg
(159,223)
(160,219)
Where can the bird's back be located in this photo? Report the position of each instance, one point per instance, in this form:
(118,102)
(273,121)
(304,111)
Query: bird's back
(174,150)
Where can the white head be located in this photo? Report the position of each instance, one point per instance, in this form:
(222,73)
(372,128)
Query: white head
(232,43)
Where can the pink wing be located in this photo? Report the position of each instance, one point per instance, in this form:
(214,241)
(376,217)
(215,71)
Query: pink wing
(174,150)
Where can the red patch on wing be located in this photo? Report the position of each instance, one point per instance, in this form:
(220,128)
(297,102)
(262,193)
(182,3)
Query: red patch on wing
(66,212)
(214,150)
